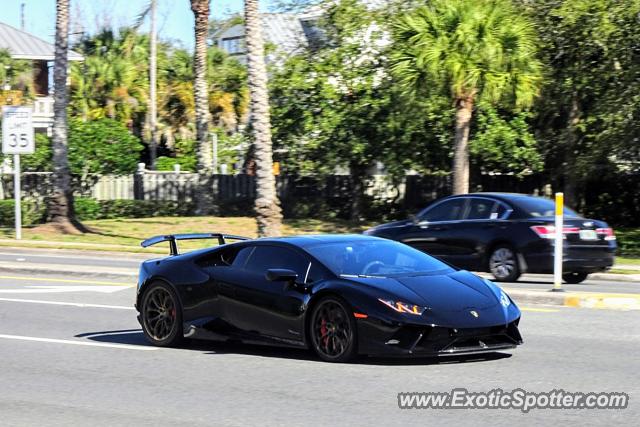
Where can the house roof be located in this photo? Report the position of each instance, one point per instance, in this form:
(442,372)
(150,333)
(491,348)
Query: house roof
(282,29)
(23,45)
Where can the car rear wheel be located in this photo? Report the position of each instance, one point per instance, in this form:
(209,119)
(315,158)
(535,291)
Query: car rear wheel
(574,277)
(503,264)
(161,315)
(333,330)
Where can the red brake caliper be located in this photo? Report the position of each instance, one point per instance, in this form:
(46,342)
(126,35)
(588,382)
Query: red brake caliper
(323,332)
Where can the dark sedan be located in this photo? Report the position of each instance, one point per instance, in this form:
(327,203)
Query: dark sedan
(505,234)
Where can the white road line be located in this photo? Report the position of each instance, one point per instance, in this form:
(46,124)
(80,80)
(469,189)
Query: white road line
(56,289)
(82,282)
(72,304)
(86,343)
(33,255)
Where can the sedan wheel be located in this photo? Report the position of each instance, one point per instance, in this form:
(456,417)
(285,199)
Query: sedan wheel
(161,315)
(503,264)
(333,331)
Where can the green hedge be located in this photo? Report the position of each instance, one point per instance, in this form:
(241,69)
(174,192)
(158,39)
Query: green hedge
(91,209)
(32,213)
(628,241)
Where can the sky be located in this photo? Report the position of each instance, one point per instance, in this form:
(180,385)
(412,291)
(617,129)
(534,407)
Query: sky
(175,19)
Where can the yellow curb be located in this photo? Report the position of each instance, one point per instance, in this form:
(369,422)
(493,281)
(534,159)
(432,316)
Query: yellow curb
(604,301)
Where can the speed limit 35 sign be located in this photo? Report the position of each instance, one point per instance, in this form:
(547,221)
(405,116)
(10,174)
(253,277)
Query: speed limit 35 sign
(17,130)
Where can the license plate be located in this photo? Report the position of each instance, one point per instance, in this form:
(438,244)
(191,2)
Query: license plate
(588,235)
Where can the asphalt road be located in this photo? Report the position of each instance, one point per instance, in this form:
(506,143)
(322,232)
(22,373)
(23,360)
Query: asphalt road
(72,353)
(71,258)
(84,259)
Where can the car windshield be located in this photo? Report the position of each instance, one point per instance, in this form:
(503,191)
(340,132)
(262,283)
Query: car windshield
(378,258)
(538,207)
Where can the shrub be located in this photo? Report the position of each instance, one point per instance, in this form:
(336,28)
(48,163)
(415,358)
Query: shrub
(102,146)
(87,209)
(32,213)
(628,242)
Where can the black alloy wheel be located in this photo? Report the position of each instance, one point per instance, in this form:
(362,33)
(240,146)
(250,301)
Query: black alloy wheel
(161,315)
(503,264)
(574,277)
(333,330)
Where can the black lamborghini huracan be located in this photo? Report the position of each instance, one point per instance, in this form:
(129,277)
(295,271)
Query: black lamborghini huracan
(341,295)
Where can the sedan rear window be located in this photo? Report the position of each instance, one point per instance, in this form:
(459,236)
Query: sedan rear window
(540,207)
(375,258)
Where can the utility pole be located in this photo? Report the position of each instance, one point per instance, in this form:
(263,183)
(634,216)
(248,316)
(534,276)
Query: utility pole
(22,16)
(153,112)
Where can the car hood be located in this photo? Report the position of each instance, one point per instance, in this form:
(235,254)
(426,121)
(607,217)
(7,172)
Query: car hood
(455,291)
(449,297)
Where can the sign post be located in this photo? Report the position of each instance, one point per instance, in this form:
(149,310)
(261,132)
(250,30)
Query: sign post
(557,252)
(17,194)
(17,139)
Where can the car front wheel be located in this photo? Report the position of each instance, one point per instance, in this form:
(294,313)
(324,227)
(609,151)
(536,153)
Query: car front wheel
(333,330)
(503,264)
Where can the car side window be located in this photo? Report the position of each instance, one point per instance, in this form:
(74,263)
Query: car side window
(241,258)
(480,209)
(446,211)
(224,257)
(316,273)
(266,257)
(499,211)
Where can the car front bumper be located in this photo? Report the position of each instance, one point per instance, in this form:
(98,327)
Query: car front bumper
(378,338)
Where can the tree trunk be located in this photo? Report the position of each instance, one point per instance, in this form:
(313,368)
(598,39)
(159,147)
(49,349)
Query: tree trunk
(60,203)
(204,195)
(267,206)
(570,153)
(153,102)
(358,173)
(464,111)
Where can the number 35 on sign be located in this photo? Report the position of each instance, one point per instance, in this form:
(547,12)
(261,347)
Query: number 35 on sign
(17,130)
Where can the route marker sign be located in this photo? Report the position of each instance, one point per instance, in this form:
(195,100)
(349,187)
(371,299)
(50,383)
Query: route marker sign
(17,139)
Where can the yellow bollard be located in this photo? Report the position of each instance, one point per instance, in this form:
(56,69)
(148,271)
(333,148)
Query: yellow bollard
(557,250)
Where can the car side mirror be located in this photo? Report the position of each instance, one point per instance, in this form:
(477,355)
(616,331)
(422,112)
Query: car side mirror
(413,218)
(281,275)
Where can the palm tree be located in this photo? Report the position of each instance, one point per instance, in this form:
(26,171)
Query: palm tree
(61,211)
(204,198)
(473,50)
(267,206)
(153,99)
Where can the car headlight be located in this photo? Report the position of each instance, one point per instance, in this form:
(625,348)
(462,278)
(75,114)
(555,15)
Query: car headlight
(403,307)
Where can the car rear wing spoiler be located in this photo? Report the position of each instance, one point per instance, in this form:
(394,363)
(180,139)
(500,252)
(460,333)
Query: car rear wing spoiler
(173,238)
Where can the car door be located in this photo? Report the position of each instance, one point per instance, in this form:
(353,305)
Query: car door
(479,225)
(434,230)
(257,306)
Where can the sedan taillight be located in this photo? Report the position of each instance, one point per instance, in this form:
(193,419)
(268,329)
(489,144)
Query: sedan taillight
(607,232)
(549,231)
